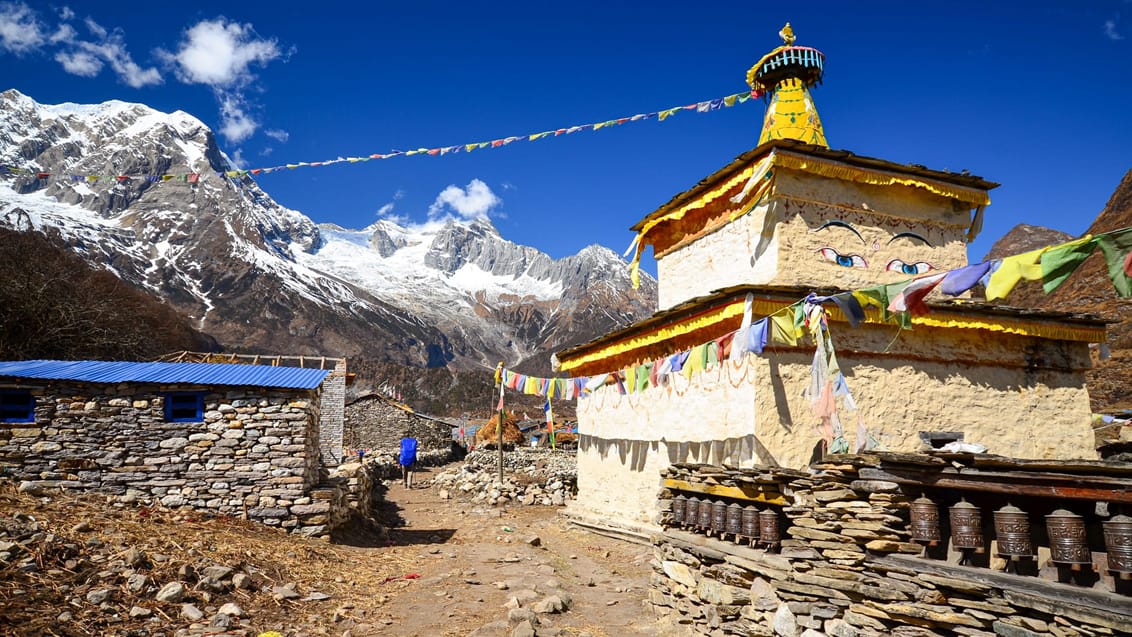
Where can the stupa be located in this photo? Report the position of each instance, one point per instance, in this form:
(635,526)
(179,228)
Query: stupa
(784,220)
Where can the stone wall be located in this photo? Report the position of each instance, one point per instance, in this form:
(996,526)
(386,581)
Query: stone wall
(254,455)
(845,567)
(377,423)
(332,407)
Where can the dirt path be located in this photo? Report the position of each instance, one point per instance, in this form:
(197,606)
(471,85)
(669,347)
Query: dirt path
(483,571)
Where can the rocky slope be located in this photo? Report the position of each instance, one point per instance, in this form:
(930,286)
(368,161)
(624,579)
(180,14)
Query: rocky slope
(1089,289)
(262,278)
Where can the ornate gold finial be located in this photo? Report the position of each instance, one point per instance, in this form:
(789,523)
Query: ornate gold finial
(787,35)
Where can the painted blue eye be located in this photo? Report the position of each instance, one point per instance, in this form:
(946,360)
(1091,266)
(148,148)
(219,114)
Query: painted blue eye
(919,267)
(843,260)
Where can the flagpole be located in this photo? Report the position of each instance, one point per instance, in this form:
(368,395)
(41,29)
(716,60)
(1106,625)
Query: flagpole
(499,425)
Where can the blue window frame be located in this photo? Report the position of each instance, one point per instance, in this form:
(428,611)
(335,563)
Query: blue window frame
(184,406)
(17,406)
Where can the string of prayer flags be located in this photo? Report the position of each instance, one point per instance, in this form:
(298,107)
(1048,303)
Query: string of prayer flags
(705,106)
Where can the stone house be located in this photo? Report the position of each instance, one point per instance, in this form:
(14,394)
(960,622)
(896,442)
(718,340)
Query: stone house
(789,218)
(239,440)
(332,400)
(376,422)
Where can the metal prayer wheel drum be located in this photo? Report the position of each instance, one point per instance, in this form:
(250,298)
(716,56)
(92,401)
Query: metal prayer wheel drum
(691,512)
(679,506)
(966,526)
(703,520)
(1067,541)
(768,529)
(1118,544)
(1012,530)
(718,517)
(733,524)
(750,522)
(925,521)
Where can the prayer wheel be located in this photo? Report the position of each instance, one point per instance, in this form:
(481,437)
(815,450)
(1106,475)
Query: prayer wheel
(703,520)
(733,525)
(768,529)
(691,513)
(925,521)
(718,518)
(1118,544)
(679,506)
(1067,541)
(750,521)
(1012,530)
(966,527)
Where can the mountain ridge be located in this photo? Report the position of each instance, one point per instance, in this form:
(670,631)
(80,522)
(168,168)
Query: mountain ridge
(260,277)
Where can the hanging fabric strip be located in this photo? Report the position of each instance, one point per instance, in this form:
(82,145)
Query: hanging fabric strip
(1059,262)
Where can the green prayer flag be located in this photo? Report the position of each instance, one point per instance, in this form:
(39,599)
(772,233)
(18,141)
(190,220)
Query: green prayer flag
(1059,262)
(1117,246)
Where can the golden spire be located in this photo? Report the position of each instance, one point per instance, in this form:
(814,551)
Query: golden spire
(787,35)
(786,75)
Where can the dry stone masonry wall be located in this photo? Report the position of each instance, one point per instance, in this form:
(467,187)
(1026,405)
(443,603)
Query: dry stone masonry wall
(843,565)
(254,455)
(374,422)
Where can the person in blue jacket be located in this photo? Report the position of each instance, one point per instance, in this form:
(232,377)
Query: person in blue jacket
(407,459)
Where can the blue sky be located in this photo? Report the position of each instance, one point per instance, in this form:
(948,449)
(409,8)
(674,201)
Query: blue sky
(1033,95)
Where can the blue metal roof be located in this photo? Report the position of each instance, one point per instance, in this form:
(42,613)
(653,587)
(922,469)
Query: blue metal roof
(167,373)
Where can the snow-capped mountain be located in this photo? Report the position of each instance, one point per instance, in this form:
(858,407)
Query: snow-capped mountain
(260,277)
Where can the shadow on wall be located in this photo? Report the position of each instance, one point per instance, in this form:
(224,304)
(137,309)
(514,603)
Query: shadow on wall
(634,453)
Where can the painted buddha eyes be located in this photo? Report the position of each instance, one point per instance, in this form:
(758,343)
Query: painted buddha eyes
(857,261)
(844,260)
(919,267)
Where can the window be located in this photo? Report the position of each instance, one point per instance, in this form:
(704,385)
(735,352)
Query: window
(184,406)
(17,406)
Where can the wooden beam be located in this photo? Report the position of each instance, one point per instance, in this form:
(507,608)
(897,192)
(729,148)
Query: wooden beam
(750,493)
(1007,486)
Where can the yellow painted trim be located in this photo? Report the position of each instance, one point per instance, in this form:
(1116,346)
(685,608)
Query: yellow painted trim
(834,170)
(1008,326)
(750,493)
(712,317)
(763,307)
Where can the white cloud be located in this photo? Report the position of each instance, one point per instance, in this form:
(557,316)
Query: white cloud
(20,30)
(220,54)
(1110,30)
(474,202)
(66,14)
(63,33)
(237,159)
(86,58)
(266,151)
(79,63)
(236,124)
(280,136)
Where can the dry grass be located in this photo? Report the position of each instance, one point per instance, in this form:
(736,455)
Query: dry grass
(68,563)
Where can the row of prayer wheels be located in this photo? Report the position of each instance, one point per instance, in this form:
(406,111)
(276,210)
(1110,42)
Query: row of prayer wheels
(744,524)
(1068,541)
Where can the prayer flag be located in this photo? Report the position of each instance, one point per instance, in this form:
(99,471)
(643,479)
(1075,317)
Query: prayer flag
(911,298)
(1025,266)
(1062,260)
(957,282)
(1117,249)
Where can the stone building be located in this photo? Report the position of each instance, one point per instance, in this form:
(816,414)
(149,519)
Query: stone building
(789,218)
(377,422)
(331,403)
(238,440)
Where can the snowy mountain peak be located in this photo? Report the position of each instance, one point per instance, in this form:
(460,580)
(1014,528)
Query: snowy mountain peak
(262,277)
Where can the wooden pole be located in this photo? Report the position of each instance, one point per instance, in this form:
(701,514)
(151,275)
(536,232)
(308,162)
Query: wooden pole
(500,429)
